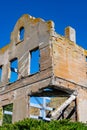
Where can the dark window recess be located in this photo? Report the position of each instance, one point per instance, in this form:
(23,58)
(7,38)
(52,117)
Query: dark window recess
(7,113)
(34,61)
(14,70)
(86,74)
(0,72)
(86,58)
(22,33)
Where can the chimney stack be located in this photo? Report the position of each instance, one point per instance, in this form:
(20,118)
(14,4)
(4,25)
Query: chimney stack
(70,33)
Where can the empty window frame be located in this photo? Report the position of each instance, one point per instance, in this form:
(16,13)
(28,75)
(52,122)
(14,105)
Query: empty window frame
(21,33)
(0,73)
(7,113)
(86,58)
(34,61)
(14,70)
(41,107)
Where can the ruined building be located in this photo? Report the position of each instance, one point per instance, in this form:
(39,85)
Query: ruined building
(42,66)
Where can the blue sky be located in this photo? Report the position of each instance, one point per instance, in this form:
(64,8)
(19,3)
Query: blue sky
(62,12)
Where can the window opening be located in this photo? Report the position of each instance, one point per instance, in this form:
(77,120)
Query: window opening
(39,108)
(0,73)
(34,61)
(7,113)
(14,70)
(52,104)
(86,58)
(22,33)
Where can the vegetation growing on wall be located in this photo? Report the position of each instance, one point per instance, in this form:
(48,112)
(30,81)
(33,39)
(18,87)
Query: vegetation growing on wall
(32,124)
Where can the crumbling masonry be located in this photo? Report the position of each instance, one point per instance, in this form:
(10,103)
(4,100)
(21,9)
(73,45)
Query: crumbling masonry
(62,71)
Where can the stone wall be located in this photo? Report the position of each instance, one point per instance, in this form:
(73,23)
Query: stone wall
(63,67)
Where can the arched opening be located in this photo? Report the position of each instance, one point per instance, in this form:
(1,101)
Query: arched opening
(21,33)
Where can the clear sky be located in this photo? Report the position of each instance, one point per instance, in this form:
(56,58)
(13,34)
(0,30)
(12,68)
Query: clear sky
(62,12)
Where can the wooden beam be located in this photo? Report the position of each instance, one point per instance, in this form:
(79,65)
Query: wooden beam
(55,114)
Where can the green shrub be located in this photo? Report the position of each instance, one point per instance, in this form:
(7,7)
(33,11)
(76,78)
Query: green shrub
(32,124)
